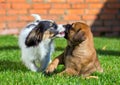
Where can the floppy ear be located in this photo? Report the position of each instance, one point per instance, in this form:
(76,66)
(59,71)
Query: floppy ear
(34,37)
(79,36)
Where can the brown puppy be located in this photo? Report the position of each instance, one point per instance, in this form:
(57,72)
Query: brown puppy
(79,56)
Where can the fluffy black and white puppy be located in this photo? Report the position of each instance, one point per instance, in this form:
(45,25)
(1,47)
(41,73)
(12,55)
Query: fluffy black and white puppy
(36,42)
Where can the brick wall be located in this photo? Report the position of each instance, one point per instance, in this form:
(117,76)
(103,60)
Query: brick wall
(102,15)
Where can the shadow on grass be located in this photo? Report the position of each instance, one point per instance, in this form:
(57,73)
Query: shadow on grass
(108,52)
(12,66)
(99,51)
(59,69)
(9,47)
(59,48)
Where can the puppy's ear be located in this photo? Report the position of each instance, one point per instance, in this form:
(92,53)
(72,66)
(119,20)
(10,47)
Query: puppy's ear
(79,36)
(35,36)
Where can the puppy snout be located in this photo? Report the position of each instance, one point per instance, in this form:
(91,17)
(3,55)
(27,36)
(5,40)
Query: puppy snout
(67,27)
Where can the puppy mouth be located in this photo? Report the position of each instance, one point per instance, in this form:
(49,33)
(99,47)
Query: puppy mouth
(62,33)
(59,34)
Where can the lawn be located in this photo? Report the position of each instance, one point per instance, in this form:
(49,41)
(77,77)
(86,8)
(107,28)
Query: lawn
(13,72)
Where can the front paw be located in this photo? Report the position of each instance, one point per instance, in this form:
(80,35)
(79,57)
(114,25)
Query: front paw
(50,69)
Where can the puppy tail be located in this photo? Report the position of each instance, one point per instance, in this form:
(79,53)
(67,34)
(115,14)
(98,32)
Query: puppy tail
(36,16)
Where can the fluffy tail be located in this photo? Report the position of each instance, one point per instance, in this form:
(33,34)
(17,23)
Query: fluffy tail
(36,16)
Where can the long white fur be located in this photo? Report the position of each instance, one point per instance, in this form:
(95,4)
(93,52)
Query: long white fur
(36,16)
(40,53)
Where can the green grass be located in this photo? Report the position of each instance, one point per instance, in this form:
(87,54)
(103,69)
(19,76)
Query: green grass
(13,72)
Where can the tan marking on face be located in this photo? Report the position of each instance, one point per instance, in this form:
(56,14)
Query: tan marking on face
(47,35)
(51,24)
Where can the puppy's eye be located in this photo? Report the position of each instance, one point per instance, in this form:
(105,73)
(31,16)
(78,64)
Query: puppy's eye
(54,26)
(51,24)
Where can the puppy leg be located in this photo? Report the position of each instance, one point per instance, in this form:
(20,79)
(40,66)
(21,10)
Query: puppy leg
(69,71)
(54,64)
(88,73)
(33,67)
(30,65)
(98,67)
(44,63)
(29,61)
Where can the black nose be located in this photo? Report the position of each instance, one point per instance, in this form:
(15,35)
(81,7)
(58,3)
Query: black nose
(68,26)
(64,26)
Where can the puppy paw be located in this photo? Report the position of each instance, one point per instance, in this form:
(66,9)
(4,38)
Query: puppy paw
(50,69)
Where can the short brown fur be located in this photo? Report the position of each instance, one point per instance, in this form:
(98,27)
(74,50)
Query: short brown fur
(79,57)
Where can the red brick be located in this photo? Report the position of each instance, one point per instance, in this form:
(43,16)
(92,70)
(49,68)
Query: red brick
(110,11)
(62,22)
(57,1)
(92,1)
(5,5)
(75,1)
(2,25)
(96,33)
(57,11)
(2,12)
(116,28)
(8,18)
(104,13)
(76,11)
(118,17)
(38,11)
(51,17)
(9,31)
(62,5)
(94,23)
(21,6)
(113,5)
(2,18)
(15,11)
(80,5)
(112,22)
(26,18)
(110,0)
(102,29)
(11,18)
(41,6)
(71,17)
(37,0)
(89,22)
(96,5)
(107,17)
(16,1)
(16,24)
(89,17)
(2,1)
(92,11)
